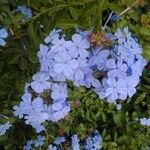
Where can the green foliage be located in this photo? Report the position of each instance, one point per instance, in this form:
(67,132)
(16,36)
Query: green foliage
(18,62)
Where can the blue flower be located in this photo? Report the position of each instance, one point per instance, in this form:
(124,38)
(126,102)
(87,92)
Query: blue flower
(137,67)
(131,83)
(60,45)
(39,141)
(127,87)
(82,69)
(27,12)
(114,89)
(65,64)
(122,35)
(59,140)
(83,73)
(3,35)
(100,91)
(37,115)
(87,81)
(28,145)
(17,111)
(24,107)
(60,77)
(59,110)
(4,128)
(84,34)
(50,147)
(97,140)
(128,48)
(41,82)
(94,142)
(120,89)
(27,85)
(125,54)
(75,143)
(59,91)
(98,58)
(33,111)
(144,121)
(54,34)
(79,47)
(116,69)
(45,58)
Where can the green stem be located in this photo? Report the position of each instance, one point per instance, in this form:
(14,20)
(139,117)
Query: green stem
(47,10)
(122,13)
(47,137)
(128,8)
(105,25)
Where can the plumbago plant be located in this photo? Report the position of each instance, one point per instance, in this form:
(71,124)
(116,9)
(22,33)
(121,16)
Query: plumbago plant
(74,89)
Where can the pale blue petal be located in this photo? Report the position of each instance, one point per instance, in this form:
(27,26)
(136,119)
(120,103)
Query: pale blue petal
(2,42)
(76,38)
(79,75)
(3,33)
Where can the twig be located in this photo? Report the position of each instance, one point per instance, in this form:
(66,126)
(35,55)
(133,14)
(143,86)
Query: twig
(122,13)
(128,8)
(109,17)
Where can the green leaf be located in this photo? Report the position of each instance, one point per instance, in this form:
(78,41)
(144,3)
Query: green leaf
(124,139)
(88,116)
(33,34)
(140,98)
(145,31)
(118,118)
(15,59)
(3,2)
(83,2)
(23,63)
(74,13)
(146,52)
(66,24)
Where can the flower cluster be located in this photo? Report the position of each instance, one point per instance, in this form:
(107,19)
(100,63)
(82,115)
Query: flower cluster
(93,142)
(33,111)
(60,60)
(51,147)
(112,72)
(27,12)
(3,35)
(122,64)
(4,128)
(38,142)
(75,143)
(59,140)
(145,121)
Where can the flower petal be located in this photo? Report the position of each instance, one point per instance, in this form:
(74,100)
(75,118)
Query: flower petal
(3,33)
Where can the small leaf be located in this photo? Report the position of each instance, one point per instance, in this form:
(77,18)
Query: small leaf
(118,118)
(33,34)
(74,13)
(67,24)
(23,63)
(146,52)
(145,31)
(140,98)
(15,59)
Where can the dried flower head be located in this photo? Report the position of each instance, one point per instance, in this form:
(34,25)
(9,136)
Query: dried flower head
(99,39)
